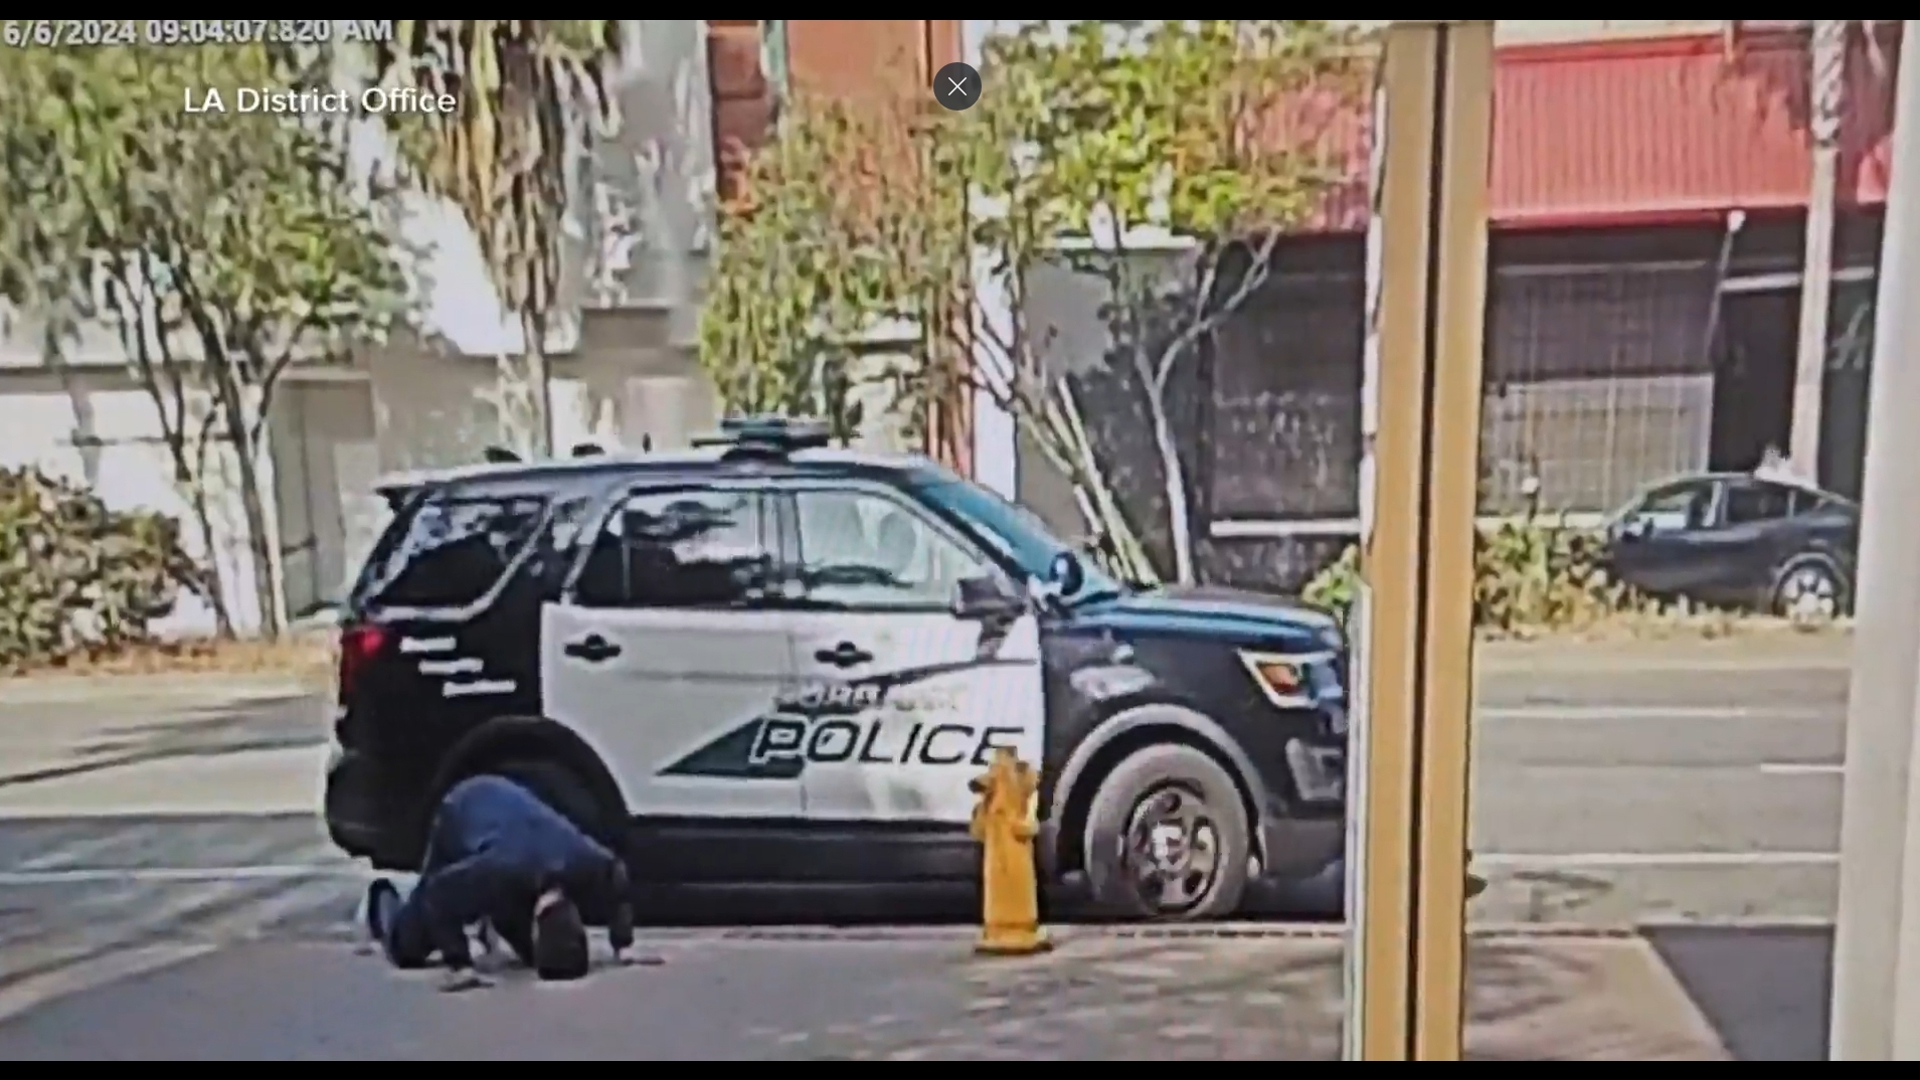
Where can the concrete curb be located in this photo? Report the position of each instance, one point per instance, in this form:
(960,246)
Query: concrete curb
(1812,652)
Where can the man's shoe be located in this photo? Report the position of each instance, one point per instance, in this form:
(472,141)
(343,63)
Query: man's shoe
(383,900)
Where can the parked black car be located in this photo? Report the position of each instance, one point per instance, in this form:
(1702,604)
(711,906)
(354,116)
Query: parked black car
(1739,540)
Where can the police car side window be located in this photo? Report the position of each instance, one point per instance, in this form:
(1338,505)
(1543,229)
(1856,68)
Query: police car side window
(859,550)
(450,551)
(678,549)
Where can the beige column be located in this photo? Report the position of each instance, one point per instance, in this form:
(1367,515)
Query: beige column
(1876,977)
(1427,251)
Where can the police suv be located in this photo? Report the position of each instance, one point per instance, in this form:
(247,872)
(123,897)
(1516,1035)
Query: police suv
(765,662)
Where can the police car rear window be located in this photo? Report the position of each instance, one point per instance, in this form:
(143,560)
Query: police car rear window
(449,550)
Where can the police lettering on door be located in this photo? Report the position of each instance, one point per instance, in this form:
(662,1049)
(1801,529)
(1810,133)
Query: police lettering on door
(831,723)
(869,742)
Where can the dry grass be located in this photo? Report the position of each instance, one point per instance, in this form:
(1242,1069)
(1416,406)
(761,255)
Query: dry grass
(1651,625)
(307,658)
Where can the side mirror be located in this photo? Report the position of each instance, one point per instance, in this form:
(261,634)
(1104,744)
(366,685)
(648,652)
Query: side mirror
(1633,527)
(985,598)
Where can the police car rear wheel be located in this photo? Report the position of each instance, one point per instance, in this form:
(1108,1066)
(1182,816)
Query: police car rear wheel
(1167,838)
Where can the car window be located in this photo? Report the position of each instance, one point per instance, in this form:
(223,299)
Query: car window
(861,550)
(679,549)
(448,551)
(1680,506)
(1747,503)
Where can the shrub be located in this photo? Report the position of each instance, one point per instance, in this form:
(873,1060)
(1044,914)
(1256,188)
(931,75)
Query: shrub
(1527,575)
(78,580)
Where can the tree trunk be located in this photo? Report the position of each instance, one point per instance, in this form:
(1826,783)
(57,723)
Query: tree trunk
(1827,56)
(164,383)
(253,508)
(540,386)
(1173,476)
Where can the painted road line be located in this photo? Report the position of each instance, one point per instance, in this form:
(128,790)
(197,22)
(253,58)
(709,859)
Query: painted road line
(179,874)
(1802,768)
(1631,860)
(110,967)
(1675,713)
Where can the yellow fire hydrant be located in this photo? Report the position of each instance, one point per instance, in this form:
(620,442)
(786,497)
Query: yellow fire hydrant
(1003,822)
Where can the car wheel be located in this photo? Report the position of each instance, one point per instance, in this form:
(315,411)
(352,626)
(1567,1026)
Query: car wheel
(1810,591)
(1167,838)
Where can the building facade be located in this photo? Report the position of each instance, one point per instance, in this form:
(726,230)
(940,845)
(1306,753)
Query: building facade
(623,368)
(1649,189)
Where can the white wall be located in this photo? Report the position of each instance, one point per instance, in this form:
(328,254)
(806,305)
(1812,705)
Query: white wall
(419,405)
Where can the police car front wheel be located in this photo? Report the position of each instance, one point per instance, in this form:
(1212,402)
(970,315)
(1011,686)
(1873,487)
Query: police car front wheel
(1168,837)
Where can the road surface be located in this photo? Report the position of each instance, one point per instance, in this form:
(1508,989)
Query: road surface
(1613,786)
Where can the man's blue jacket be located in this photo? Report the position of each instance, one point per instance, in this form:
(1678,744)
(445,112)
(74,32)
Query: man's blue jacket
(493,849)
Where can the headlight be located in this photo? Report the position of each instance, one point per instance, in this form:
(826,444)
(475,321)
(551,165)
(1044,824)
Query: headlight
(1287,679)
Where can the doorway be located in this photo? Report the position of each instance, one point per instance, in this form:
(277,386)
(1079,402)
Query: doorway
(1753,361)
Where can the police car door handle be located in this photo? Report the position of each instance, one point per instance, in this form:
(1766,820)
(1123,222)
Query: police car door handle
(593,648)
(846,654)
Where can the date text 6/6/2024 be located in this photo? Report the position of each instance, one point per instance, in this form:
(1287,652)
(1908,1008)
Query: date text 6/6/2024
(71,33)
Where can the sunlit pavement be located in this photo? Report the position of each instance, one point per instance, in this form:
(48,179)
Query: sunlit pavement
(144,824)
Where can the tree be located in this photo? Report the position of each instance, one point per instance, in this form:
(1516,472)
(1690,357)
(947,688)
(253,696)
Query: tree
(221,245)
(1197,129)
(838,230)
(1207,131)
(532,98)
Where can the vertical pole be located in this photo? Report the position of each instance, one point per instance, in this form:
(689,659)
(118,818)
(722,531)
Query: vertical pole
(1877,939)
(1421,421)
(1827,55)
(996,438)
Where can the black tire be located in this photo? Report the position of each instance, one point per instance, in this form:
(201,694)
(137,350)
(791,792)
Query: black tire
(1811,589)
(1118,850)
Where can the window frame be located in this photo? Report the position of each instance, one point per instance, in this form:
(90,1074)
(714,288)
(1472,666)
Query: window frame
(1695,487)
(1732,485)
(371,586)
(785,496)
(617,500)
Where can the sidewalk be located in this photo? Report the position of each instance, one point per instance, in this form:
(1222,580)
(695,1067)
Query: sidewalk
(916,995)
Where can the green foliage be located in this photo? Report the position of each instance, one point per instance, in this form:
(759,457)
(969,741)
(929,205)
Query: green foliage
(531,96)
(241,231)
(1089,128)
(77,579)
(1336,588)
(1189,125)
(1528,575)
(843,227)
(222,245)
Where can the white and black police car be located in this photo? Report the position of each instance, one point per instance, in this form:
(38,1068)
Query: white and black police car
(769,663)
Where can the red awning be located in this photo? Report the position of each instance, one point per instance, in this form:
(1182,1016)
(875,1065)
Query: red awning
(1609,132)
(1647,131)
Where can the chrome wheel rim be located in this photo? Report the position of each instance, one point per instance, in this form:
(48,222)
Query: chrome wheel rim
(1809,594)
(1172,850)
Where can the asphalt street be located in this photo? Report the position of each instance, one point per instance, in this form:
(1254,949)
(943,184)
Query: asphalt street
(1683,783)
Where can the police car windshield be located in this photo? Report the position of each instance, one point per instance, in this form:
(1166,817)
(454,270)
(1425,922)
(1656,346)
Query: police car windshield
(1020,535)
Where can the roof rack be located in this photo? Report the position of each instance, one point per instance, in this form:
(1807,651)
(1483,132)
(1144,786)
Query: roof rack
(768,436)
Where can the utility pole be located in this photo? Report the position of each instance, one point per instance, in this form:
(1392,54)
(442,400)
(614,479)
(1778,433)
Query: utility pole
(1876,953)
(1827,92)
